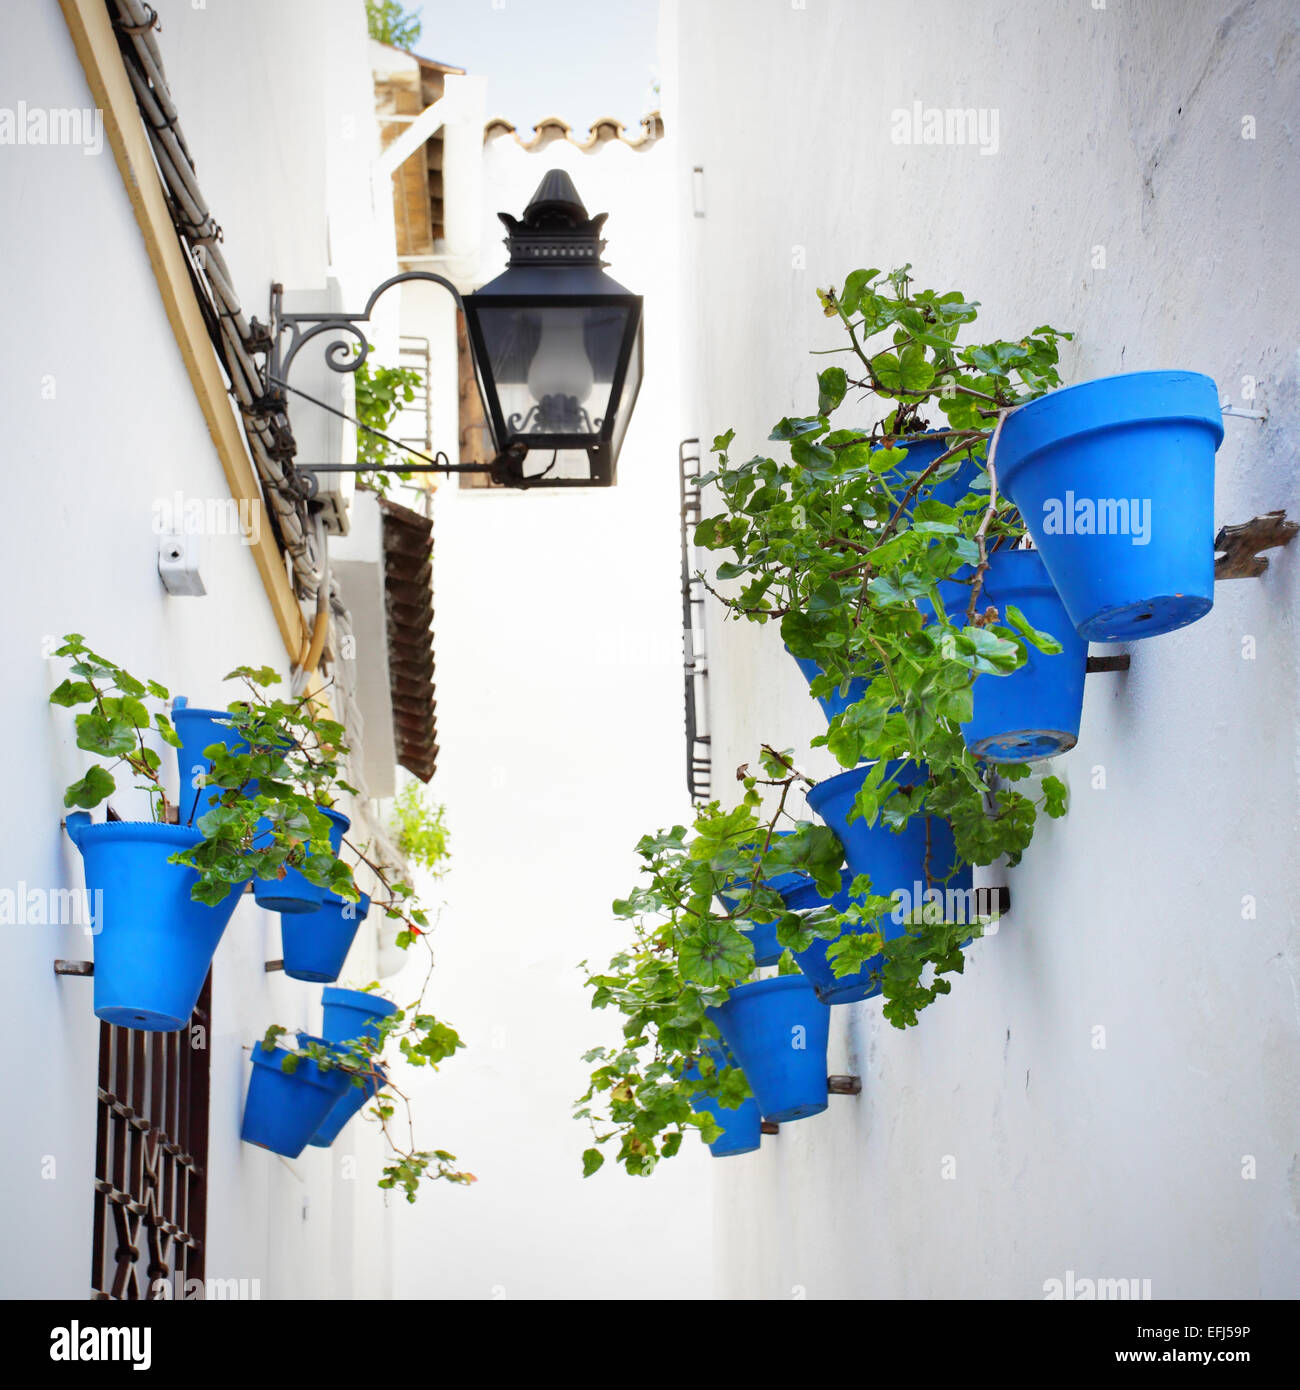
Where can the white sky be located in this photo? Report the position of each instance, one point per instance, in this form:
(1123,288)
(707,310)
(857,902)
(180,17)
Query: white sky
(576,59)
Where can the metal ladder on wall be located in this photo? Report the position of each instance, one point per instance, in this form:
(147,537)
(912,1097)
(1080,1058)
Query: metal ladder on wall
(699,761)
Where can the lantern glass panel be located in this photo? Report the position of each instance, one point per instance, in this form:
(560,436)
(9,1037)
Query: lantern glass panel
(627,397)
(553,365)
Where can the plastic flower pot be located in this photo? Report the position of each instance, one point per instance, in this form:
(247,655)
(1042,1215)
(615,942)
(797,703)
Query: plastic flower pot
(1034,712)
(199,729)
(863,983)
(762,935)
(153,943)
(285,1109)
(1115,480)
(352,1014)
(348,1104)
(777,1031)
(743,1126)
(922,450)
(895,860)
(315,944)
(295,892)
(834,703)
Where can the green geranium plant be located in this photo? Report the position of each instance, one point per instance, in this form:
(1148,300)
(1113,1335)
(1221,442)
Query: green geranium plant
(843,546)
(266,818)
(840,546)
(421,1039)
(380,393)
(420,829)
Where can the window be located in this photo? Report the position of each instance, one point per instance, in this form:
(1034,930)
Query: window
(151,1156)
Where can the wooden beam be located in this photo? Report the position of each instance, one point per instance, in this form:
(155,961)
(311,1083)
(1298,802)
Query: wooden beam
(96,45)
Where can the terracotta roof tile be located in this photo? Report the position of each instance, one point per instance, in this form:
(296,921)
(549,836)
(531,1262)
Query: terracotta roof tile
(604,131)
(408,600)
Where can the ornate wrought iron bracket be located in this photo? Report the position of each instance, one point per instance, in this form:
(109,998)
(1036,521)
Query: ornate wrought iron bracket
(1240,545)
(288,333)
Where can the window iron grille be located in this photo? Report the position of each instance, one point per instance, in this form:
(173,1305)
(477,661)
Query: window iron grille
(151,1156)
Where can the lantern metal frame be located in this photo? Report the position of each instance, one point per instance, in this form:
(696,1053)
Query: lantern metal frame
(597,441)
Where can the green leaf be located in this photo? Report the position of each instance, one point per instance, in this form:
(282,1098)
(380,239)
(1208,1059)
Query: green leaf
(1044,641)
(888,373)
(1054,797)
(788,428)
(855,285)
(592,1159)
(831,387)
(91,789)
(166,729)
(915,373)
(107,737)
(715,954)
(72,692)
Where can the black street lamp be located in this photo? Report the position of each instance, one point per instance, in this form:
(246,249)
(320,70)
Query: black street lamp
(556,345)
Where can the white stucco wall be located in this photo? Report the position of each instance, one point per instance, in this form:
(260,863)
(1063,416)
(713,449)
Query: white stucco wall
(1118,128)
(557,633)
(101,421)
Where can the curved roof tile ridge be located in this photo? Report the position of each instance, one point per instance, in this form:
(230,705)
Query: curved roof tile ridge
(603,131)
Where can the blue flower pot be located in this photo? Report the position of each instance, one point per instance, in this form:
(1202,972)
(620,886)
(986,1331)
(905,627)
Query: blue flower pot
(863,983)
(315,944)
(1034,712)
(894,860)
(294,892)
(1145,438)
(352,1013)
(743,1126)
(834,703)
(153,943)
(777,1030)
(285,1109)
(921,453)
(350,1103)
(762,935)
(199,729)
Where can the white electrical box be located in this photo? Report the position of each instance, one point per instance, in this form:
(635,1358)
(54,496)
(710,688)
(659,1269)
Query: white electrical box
(178,565)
